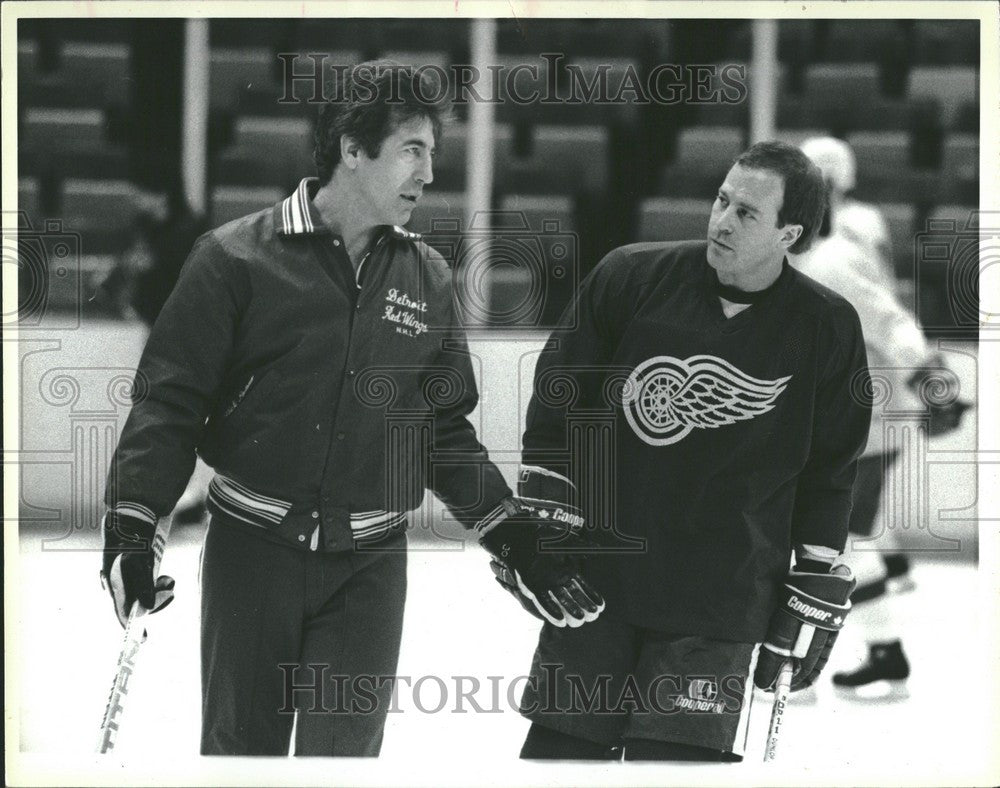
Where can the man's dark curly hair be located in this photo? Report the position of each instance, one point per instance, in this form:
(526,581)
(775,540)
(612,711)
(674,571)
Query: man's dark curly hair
(372,100)
(805,197)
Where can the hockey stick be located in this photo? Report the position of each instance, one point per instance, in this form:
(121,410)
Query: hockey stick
(130,650)
(782,687)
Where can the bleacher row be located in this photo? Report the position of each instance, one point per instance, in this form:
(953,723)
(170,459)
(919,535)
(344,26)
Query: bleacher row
(250,80)
(917,149)
(926,41)
(563,162)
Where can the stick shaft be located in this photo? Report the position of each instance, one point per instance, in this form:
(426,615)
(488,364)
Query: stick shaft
(782,688)
(131,642)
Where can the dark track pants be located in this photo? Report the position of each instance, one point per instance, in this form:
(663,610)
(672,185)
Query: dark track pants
(270,611)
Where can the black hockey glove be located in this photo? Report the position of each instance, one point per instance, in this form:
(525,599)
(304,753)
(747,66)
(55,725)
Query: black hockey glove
(811,611)
(127,568)
(548,583)
(938,389)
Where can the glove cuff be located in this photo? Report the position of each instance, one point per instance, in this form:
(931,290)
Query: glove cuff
(822,601)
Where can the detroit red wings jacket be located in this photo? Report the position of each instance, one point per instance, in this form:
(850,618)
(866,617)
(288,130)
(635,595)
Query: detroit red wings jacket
(326,401)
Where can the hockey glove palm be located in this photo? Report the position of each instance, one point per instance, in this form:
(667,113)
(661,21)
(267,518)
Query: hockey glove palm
(547,583)
(127,569)
(810,614)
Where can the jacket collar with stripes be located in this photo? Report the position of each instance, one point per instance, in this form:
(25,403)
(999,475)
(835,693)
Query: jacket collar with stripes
(296,215)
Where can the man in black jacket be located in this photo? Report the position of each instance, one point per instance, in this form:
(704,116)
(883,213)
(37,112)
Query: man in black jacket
(311,353)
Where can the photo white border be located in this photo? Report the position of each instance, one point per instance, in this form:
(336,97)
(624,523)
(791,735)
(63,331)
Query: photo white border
(32,769)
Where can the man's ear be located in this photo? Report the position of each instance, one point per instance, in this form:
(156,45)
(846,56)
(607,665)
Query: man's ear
(790,233)
(350,151)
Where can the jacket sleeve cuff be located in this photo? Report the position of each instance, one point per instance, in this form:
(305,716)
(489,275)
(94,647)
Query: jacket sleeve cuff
(506,508)
(535,481)
(136,510)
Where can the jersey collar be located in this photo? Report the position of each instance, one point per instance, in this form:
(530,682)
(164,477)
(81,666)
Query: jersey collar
(296,215)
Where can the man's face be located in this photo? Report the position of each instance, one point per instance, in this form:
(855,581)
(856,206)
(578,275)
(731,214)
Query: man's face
(743,232)
(391,184)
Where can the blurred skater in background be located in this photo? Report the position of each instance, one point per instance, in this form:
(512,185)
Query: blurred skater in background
(852,258)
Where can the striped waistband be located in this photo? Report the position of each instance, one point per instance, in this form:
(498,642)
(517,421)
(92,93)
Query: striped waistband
(238,501)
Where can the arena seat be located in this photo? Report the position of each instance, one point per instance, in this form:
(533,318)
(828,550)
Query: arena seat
(961,156)
(449,159)
(232,202)
(98,203)
(704,156)
(710,147)
(796,40)
(53,129)
(672,219)
(540,248)
(885,170)
(590,70)
(839,81)
(720,113)
(960,168)
(946,42)
(418,58)
(236,32)
(104,240)
(843,115)
(879,153)
(88,75)
(103,161)
(232,72)
(561,159)
(29,199)
(859,41)
(967,118)
(410,34)
(287,144)
(272,135)
(542,212)
(250,81)
(575,37)
(91,31)
(598,75)
(951,86)
(518,78)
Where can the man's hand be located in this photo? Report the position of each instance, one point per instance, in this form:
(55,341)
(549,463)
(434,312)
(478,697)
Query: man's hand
(547,582)
(811,611)
(127,568)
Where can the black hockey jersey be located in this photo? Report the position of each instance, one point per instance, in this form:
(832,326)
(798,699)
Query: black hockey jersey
(702,448)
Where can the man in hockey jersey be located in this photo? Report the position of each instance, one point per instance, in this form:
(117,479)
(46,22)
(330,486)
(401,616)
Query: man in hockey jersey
(732,448)
(290,345)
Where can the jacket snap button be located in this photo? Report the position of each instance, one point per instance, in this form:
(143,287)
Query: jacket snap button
(301,538)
